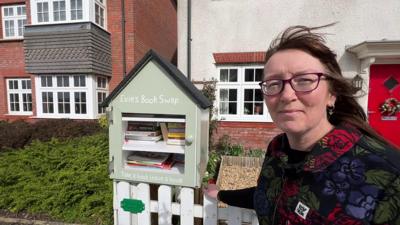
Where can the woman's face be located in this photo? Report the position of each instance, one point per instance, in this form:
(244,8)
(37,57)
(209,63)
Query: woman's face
(298,113)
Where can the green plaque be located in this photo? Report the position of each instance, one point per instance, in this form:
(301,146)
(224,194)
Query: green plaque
(132,205)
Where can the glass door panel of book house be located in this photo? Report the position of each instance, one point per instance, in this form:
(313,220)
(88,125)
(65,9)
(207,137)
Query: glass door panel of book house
(154,143)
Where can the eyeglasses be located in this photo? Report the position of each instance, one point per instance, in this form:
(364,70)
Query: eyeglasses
(305,82)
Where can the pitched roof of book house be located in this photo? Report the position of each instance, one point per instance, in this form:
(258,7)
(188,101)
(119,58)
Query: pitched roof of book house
(195,94)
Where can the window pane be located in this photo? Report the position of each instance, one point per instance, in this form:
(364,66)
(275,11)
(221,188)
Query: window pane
(80,102)
(258,108)
(232,95)
(248,108)
(233,77)
(27,102)
(101,17)
(223,95)
(29,84)
(79,81)
(232,108)
(258,95)
(47,102)
(79,4)
(62,81)
(97,14)
(248,95)
(223,108)
(259,75)
(10,12)
(223,75)
(249,75)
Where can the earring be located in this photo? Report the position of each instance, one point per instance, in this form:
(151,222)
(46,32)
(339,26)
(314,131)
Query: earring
(331,110)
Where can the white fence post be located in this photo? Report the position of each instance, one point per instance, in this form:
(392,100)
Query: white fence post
(165,208)
(144,218)
(187,203)
(234,216)
(164,205)
(210,211)
(123,191)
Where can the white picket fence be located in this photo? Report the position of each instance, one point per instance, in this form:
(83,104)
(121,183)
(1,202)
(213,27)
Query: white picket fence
(165,208)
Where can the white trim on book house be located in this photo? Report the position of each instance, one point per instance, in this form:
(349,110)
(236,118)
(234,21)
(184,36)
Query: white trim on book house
(19,96)
(13,21)
(66,96)
(239,96)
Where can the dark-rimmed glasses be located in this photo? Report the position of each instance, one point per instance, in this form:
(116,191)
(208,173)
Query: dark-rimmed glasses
(305,82)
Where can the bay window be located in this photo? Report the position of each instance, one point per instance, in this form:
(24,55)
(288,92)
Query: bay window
(66,11)
(19,96)
(13,21)
(63,96)
(239,96)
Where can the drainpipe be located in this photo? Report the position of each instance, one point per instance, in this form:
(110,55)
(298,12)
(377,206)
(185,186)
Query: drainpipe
(189,39)
(123,38)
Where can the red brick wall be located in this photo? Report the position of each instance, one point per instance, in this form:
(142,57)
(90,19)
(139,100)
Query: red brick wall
(149,24)
(250,135)
(12,65)
(12,61)
(155,26)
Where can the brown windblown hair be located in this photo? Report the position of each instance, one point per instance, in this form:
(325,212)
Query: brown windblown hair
(347,109)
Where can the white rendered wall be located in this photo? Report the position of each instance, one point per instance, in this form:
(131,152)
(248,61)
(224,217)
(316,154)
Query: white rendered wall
(250,25)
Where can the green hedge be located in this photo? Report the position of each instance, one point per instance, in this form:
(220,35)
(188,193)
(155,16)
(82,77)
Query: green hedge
(67,180)
(17,134)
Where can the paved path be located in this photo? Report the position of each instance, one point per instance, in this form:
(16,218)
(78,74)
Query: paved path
(16,221)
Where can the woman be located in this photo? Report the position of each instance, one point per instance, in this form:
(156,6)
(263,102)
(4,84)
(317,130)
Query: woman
(329,166)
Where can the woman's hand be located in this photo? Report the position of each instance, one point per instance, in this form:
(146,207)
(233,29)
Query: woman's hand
(211,190)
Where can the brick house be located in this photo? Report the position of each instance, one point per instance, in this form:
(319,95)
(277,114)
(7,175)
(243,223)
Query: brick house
(227,40)
(61,58)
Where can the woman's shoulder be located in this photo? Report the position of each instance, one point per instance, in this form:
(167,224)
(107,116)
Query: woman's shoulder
(377,151)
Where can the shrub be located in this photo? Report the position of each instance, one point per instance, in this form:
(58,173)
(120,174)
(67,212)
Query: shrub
(14,135)
(67,180)
(19,133)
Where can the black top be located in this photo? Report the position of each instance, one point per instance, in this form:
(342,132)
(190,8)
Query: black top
(243,198)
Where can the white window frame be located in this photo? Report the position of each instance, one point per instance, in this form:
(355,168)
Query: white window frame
(15,18)
(34,12)
(102,5)
(76,10)
(20,92)
(240,85)
(71,89)
(103,90)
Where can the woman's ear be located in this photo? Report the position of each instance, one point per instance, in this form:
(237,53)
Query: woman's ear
(332,100)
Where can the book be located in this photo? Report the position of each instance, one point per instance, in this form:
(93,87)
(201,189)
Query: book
(175,141)
(164,131)
(166,165)
(143,133)
(142,126)
(142,138)
(176,130)
(148,158)
(176,135)
(176,125)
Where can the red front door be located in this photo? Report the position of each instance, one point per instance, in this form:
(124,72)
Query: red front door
(384,85)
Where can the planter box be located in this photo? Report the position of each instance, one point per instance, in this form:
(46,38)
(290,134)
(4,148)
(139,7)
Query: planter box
(238,172)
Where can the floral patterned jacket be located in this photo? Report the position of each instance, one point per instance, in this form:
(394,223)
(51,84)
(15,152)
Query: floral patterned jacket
(347,178)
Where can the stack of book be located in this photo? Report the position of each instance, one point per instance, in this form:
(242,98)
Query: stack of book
(176,133)
(150,159)
(143,131)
